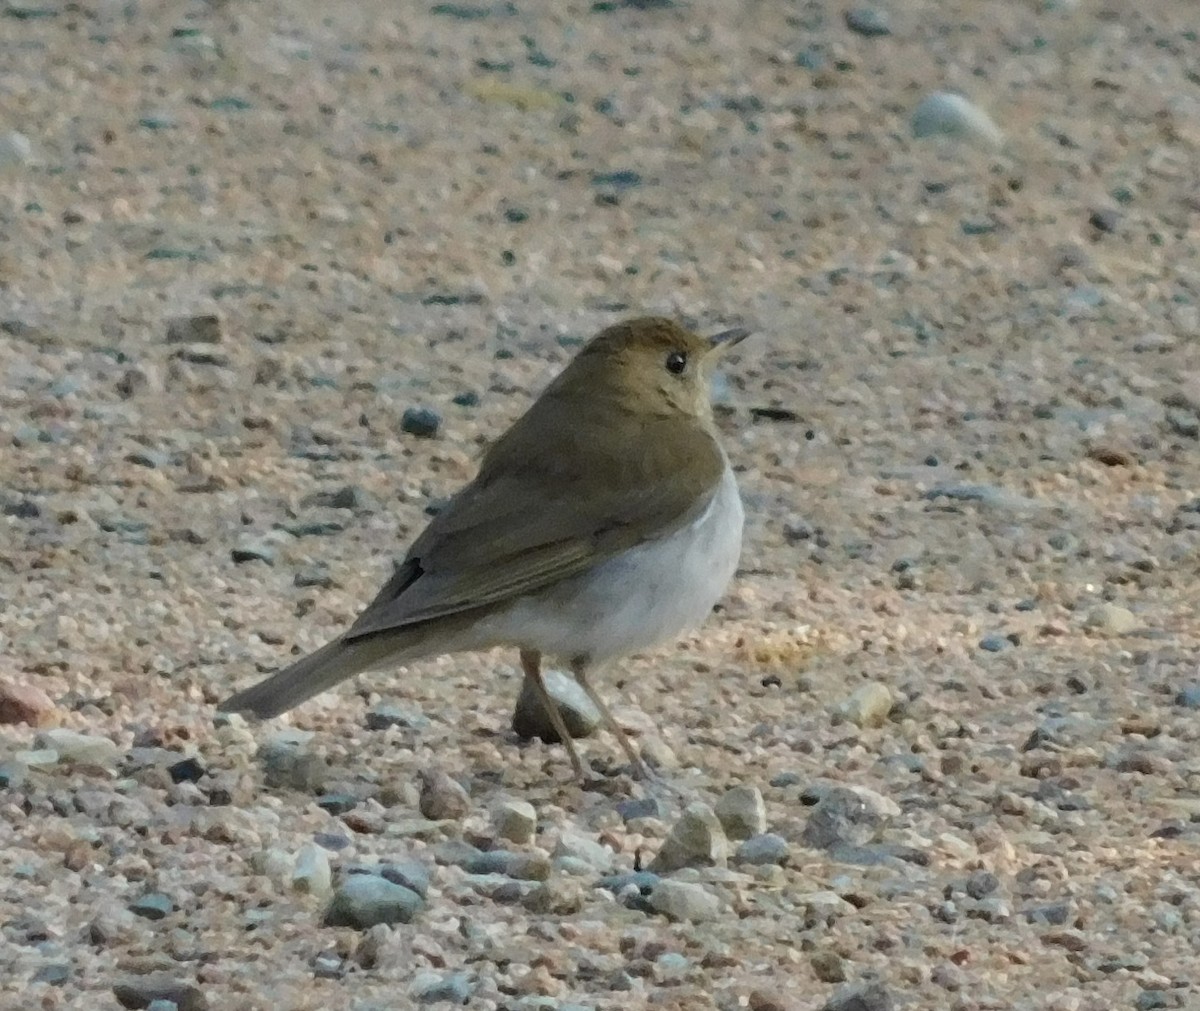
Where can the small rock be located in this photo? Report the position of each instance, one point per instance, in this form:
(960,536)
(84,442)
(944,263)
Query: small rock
(519,866)
(869,706)
(994,643)
(317,574)
(767,848)
(311,873)
(205,329)
(683,900)
(349,496)
(860,997)
(383,716)
(632,808)
(442,798)
(1113,619)
(429,987)
(421,422)
(742,812)
(846,817)
(763,999)
(1188,697)
(82,749)
(1104,219)
(55,974)
(575,846)
(152,906)
(981,884)
(13,774)
(828,967)
(412,874)
(289,764)
(363,900)
(950,115)
(250,548)
(868,21)
(25,704)
(15,149)
(695,840)
(139,992)
(516,821)
(580,715)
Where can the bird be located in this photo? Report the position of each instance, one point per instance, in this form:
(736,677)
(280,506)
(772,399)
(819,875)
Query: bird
(605,521)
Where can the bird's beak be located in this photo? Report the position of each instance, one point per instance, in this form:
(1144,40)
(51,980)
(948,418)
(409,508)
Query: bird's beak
(726,339)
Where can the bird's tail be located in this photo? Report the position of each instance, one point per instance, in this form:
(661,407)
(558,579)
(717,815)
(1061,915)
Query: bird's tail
(312,674)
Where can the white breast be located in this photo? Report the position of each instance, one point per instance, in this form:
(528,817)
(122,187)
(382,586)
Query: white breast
(639,598)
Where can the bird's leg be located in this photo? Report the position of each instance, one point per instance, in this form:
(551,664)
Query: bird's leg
(531,664)
(641,770)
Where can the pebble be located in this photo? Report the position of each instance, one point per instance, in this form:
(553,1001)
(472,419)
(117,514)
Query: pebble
(152,906)
(869,706)
(981,884)
(994,643)
(946,114)
(442,797)
(382,717)
(363,900)
(516,821)
(289,764)
(412,874)
(847,817)
(203,329)
(767,848)
(25,704)
(683,900)
(520,866)
(13,774)
(142,991)
(860,997)
(578,712)
(421,422)
(870,22)
(1188,697)
(742,812)
(762,999)
(55,974)
(15,149)
(1112,618)
(429,987)
(82,749)
(311,873)
(575,846)
(695,840)
(633,808)
(828,967)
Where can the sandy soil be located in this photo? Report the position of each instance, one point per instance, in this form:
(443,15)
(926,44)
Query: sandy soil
(966,433)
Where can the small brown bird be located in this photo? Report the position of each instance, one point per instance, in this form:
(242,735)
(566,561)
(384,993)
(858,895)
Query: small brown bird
(604,521)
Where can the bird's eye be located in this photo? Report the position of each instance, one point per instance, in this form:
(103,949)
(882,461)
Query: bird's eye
(676,363)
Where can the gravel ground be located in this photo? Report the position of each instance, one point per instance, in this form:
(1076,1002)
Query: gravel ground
(271,274)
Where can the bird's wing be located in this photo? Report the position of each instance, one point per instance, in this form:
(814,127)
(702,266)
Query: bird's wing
(527,522)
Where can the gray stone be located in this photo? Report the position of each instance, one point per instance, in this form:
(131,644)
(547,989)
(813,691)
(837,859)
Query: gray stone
(251,548)
(695,840)
(363,900)
(994,643)
(683,900)
(15,149)
(579,713)
(522,866)
(742,812)
(1113,619)
(767,848)
(82,749)
(1188,697)
(828,967)
(945,114)
(847,817)
(516,821)
(311,873)
(421,422)
(289,764)
(981,884)
(409,873)
(442,798)
(429,987)
(203,329)
(869,21)
(152,906)
(860,997)
(574,845)
(869,706)
(141,991)
(55,974)
(383,716)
